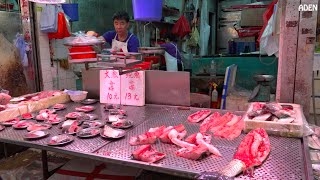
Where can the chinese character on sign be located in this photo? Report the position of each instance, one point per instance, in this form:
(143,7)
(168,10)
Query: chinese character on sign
(137,74)
(136,97)
(114,74)
(129,75)
(131,86)
(115,96)
(106,74)
(111,88)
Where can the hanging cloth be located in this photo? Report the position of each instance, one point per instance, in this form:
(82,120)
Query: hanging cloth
(49,18)
(22,46)
(62,30)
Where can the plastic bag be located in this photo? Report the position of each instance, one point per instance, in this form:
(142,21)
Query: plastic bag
(194,39)
(62,30)
(269,40)
(49,18)
(181,28)
(81,38)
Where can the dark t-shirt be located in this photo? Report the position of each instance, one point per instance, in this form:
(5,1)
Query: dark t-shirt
(133,43)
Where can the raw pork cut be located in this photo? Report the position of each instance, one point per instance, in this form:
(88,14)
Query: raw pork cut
(199,115)
(146,153)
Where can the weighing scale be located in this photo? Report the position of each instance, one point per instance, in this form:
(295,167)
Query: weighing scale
(261,93)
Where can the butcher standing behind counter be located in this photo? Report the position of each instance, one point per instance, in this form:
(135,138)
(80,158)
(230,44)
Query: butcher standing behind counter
(121,40)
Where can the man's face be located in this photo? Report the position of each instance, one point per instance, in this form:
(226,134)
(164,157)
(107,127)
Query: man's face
(120,26)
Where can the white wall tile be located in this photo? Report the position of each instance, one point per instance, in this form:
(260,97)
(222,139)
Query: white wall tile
(48,86)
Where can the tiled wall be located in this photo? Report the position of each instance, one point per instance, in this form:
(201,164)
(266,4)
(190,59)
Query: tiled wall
(53,76)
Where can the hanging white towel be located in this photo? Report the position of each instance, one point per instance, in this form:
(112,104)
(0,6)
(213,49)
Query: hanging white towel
(48,18)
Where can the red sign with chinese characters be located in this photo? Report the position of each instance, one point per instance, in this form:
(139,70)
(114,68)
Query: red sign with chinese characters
(110,87)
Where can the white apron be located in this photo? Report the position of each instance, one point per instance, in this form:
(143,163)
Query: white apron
(118,45)
(172,62)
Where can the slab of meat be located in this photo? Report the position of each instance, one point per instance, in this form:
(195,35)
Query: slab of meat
(146,153)
(193,153)
(164,136)
(252,151)
(148,137)
(199,115)
(210,120)
(85,108)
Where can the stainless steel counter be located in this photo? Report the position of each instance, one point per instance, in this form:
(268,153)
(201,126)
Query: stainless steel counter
(289,157)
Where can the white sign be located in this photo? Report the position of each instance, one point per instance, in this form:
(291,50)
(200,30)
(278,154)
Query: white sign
(110,87)
(133,88)
(49,1)
(308,7)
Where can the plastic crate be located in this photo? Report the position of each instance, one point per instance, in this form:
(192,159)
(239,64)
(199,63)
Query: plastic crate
(82,52)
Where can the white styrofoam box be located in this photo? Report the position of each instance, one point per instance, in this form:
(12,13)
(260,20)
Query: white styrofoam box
(133,88)
(293,129)
(110,87)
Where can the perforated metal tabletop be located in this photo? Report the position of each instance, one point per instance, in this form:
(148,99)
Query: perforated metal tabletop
(289,157)
(286,161)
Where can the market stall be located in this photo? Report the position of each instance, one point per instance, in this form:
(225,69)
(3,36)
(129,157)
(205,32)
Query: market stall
(288,158)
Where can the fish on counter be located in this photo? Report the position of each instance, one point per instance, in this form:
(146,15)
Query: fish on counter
(147,153)
(199,115)
(252,151)
(271,112)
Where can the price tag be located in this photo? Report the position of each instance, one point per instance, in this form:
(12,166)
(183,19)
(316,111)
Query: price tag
(110,87)
(133,88)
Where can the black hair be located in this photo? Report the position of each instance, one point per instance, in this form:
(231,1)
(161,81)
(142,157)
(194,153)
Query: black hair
(121,15)
(171,37)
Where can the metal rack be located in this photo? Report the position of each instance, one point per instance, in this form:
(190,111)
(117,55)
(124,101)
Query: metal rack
(120,61)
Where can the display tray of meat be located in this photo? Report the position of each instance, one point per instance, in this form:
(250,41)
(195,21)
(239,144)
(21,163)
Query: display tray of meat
(281,119)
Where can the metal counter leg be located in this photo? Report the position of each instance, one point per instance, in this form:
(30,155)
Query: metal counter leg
(44,159)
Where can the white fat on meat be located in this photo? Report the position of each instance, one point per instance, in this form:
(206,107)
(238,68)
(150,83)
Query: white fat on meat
(210,147)
(233,121)
(257,140)
(174,137)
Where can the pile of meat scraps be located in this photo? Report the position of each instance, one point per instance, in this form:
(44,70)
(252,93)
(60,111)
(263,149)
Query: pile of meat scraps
(194,147)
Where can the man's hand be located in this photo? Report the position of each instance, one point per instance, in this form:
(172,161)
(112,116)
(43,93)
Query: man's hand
(4,98)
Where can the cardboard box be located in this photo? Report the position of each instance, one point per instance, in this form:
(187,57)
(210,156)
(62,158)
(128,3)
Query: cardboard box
(252,17)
